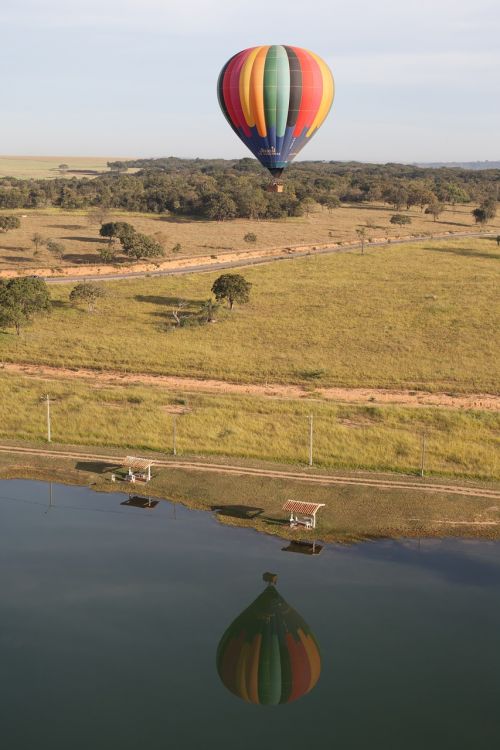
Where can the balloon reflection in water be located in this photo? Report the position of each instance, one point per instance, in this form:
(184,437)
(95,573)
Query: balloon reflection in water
(269,655)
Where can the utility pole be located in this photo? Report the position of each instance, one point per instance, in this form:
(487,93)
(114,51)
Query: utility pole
(310,440)
(422,457)
(174,434)
(47,399)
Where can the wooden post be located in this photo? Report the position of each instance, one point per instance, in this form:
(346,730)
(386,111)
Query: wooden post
(310,440)
(174,435)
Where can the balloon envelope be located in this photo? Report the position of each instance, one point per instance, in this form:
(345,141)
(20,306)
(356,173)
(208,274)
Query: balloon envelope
(275,98)
(269,655)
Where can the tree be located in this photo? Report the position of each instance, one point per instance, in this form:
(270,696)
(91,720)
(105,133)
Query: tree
(63,168)
(98,215)
(487,210)
(233,288)
(479,215)
(88,293)
(333,201)
(56,248)
(21,300)
(400,219)
(220,206)
(361,232)
(139,245)
(107,254)
(9,222)
(116,230)
(208,310)
(435,209)
(38,241)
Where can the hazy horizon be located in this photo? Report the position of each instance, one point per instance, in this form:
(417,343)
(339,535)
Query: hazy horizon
(414,84)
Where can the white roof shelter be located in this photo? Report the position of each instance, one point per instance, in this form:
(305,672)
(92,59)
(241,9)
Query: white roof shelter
(142,465)
(302,513)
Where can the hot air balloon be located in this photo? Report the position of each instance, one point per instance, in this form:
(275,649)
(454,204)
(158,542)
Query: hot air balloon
(275,98)
(268,655)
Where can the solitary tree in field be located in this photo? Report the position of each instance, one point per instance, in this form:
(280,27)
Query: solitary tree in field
(56,248)
(233,288)
(63,168)
(21,300)
(38,240)
(88,293)
(9,222)
(435,209)
(361,232)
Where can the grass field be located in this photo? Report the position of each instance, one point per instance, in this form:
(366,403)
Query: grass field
(81,240)
(26,167)
(458,443)
(350,513)
(418,316)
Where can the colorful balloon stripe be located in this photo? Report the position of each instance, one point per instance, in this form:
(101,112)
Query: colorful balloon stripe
(275,98)
(268,655)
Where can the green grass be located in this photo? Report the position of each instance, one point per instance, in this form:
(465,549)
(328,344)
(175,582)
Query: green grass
(460,444)
(414,316)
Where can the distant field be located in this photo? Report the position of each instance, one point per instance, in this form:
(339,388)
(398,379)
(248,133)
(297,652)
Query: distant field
(81,240)
(24,167)
(414,316)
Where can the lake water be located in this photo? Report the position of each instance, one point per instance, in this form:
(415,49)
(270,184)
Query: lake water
(111,615)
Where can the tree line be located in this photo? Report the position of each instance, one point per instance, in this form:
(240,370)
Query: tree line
(226,189)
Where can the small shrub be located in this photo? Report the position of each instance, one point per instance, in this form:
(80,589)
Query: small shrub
(177,248)
(312,374)
(250,237)
(400,219)
(135,399)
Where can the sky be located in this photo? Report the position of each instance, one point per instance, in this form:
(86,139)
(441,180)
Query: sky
(416,80)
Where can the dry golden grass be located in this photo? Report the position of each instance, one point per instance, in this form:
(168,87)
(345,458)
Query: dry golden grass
(47,167)
(460,444)
(82,242)
(414,316)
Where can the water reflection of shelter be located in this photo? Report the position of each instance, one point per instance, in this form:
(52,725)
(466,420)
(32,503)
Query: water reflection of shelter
(302,513)
(139,501)
(269,655)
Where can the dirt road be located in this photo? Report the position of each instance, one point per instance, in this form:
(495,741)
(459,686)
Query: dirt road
(381,482)
(380,396)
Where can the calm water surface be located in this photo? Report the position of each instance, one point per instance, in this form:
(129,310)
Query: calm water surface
(110,618)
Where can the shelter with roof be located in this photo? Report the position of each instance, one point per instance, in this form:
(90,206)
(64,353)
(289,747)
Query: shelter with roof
(302,513)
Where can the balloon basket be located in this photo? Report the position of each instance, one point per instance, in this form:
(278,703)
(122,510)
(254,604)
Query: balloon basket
(275,187)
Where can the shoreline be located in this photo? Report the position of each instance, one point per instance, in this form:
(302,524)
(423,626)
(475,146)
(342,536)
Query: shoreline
(359,506)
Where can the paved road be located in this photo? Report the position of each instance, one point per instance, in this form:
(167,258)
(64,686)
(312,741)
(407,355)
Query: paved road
(252,261)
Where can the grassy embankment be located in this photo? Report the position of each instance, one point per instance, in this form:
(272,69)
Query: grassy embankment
(413,316)
(350,512)
(81,239)
(458,443)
